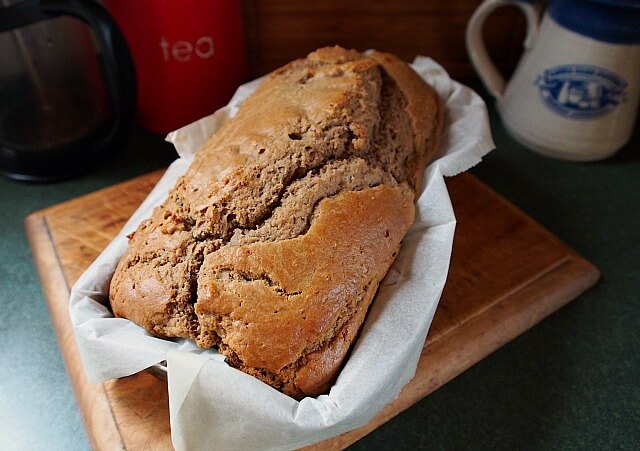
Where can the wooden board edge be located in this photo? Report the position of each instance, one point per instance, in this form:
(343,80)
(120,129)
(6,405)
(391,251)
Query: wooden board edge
(151,177)
(97,416)
(483,335)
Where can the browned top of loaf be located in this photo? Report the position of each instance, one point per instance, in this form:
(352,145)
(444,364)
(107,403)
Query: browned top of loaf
(273,243)
(303,289)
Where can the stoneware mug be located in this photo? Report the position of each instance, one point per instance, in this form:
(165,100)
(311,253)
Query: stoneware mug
(574,94)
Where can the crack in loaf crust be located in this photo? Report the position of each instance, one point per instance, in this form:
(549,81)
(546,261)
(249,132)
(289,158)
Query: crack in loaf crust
(274,242)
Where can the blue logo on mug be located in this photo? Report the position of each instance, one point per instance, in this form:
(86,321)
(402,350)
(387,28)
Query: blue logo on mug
(581,91)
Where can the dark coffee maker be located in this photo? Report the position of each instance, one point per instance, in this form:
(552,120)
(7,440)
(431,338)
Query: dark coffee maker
(67,87)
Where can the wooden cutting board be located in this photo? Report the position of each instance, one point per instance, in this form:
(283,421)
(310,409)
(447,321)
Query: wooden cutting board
(507,273)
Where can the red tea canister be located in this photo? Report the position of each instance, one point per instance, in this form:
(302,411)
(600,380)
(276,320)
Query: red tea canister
(188,55)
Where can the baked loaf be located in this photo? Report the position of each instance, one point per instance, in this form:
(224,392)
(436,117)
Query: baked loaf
(272,245)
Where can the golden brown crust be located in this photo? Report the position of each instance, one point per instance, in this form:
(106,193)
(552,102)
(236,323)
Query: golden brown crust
(287,299)
(427,115)
(274,242)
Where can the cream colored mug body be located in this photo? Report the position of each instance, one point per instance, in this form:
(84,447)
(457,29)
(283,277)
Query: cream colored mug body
(574,94)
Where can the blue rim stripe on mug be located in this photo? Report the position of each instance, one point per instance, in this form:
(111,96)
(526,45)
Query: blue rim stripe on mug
(613,21)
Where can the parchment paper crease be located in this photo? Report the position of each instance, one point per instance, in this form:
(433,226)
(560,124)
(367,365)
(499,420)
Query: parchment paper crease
(213,406)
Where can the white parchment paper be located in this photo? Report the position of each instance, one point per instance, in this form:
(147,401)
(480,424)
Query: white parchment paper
(213,406)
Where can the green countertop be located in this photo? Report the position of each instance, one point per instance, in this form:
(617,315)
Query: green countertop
(573,381)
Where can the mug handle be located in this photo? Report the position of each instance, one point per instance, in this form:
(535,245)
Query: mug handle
(491,78)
